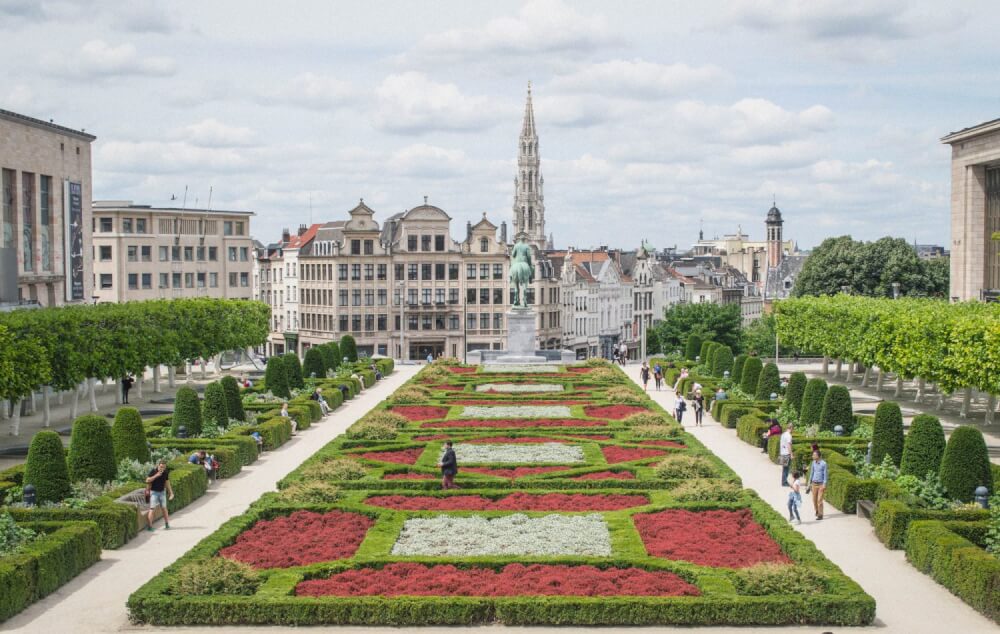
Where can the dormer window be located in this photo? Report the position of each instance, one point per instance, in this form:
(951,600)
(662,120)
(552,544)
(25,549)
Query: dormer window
(484,245)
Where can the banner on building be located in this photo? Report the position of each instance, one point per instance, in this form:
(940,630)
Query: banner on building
(73,240)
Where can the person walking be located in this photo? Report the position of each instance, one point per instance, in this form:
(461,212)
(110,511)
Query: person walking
(644,375)
(773,430)
(127,382)
(818,475)
(679,407)
(160,492)
(658,376)
(449,467)
(795,497)
(699,407)
(683,375)
(430,358)
(785,453)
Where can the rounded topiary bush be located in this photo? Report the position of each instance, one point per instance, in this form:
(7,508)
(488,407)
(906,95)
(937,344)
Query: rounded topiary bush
(331,355)
(276,378)
(923,447)
(214,409)
(128,436)
(812,402)
(91,450)
(837,409)
(234,402)
(314,365)
(706,348)
(750,374)
(722,362)
(187,412)
(349,348)
(293,370)
(768,383)
(965,464)
(887,435)
(46,467)
(795,390)
(737,368)
(692,348)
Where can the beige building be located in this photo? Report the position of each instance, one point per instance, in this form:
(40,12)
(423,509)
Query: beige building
(45,175)
(975,212)
(142,252)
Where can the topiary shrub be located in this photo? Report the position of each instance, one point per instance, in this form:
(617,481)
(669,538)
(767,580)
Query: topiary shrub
(46,467)
(234,402)
(335,470)
(965,464)
(812,402)
(682,467)
(214,410)
(837,409)
(91,450)
(706,348)
(737,368)
(623,395)
(314,365)
(331,355)
(128,436)
(187,412)
(276,377)
(646,418)
(311,492)
(293,370)
(657,431)
(371,430)
(768,382)
(750,374)
(722,361)
(215,576)
(706,490)
(923,447)
(692,348)
(396,421)
(410,395)
(349,348)
(795,390)
(887,435)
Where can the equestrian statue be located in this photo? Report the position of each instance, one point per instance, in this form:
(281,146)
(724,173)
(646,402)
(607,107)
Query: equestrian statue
(522,271)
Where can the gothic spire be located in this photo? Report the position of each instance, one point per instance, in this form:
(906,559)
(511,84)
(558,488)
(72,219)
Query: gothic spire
(528,127)
(529,199)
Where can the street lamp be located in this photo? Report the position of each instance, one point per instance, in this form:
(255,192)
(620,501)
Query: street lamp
(402,319)
(895,290)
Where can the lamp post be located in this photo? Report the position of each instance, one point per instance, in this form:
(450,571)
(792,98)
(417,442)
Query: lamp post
(895,290)
(402,319)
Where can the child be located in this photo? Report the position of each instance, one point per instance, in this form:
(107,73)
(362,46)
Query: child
(795,497)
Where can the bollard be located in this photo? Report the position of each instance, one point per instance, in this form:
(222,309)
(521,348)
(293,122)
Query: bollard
(182,432)
(982,497)
(774,396)
(29,495)
(838,430)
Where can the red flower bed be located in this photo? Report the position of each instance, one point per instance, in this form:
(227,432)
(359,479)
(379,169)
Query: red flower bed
(420,412)
(448,388)
(514,472)
(607,475)
(614,412)
(579,370)
(408,476)
(499,423)
(432,437)
(728,539)
(615,454)
(663,443)
(585,388)
(512,502)
(458,370)
(588,436)
(300,539)
(403,456)
(412,579)
(513,440)
(513,402)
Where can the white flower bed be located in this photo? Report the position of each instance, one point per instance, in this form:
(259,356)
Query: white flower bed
(514,388)
(515,411)
(508,535)
(519,369)
(550,452)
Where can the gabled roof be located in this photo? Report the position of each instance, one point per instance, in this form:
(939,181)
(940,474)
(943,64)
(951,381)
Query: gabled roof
(298,241)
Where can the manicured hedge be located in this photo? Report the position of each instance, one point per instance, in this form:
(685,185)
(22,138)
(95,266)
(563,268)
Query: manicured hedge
(349,348)
(795,391)
(923,447)
(887,438)
(750,374)
(692,347)
(768,383)
(234,403)
(737,372)
(314,366)
(215,411)
(837,409)
(128,436)
(187,412)
(966,464)
(45,468)
(893,519)
(293,370)
(276,377)
(812,402)
(91,450)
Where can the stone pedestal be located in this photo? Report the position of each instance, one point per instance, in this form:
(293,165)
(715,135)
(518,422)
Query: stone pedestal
(521,338)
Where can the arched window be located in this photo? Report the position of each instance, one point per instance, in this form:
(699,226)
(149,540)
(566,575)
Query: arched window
(530,179)
(484,245)
(531,218)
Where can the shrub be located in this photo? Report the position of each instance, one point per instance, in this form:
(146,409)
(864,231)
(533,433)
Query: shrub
(128,436)
(795,391)
(391,419)
(214,576)
(368,430)
(706,348)
(46,467)
(331,355)
(887,437)
(768,383)
(750,374)
(965,464)
(622,394)
(836,409)
(314,365)
(293,370)
(437,374)
(923,447)
(643,419)
(91,450)
(215,411)
(276,378)
(722,362)
(671,430)
(812,402)
(692,348)
(706,490)
(413,394)
(12,536)
(187,412)
(311,492)
(234,403)
(603,374)
(682,467)
(768,578)
(349,348)
(596,362)
(336,470)
(738,363)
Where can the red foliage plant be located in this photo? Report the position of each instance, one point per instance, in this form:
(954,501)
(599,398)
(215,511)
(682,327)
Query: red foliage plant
(448,388)
(580,370)
(432,437)
(503,423)
(458,370)
(514,440)
(606,475)
(408,476)
(413,579)
(300,539)
(513,472)
(420,412)
(614,412)
(718,538)
(663,443)
(403,456)
(568,502)
(515,402)
(614,454)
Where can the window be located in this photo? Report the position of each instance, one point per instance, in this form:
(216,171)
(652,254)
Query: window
(411,271)
(484,271)
(355,323)
(140,225)
(470,271)
(342,323)
(356,272)
(45,221)
(497,321)
(452,295)
(425,243)
(399,271)
(439,295)
(439,243)
(147,280)
(105,253)
(233,254)
(189,280)
(426,294)
(498,271)
(342,272)
(126,225)
(369,297)
(133,253)
(369,272)
(369,247)
(355,247)
(176,280)
(439,271)
(239,227)
(105,280)
(382,270)
(453,322)
(411,296)
(9,209)
(484,296)
(342,297)
(244,279)
(147,253)
(497,295)
(175,253)
(164,280)
(213,254)
(244,254)
(425,271)
(369,322)
(133,281)
(227,228)
(411,243)
(412,322)
(426,323)
(107,225)
(213,280)
(356,297)
(484,321)
(164,254)
(233,280)
(470,321)
(439,322)
(484,245)
(470,296)
(383,297)
(453,271)
(200,254)
(382,322)
(189,254)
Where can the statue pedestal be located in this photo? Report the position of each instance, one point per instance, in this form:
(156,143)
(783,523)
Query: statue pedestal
(520,350)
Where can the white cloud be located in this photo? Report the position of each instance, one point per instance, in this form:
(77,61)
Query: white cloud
(143,17)
(160,157)
(636,79)
(427,161)
(309,90)
(97,59)
(410,103)
(752,121)
(214,133)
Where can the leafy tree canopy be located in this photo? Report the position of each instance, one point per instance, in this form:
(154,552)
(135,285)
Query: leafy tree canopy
(711,322)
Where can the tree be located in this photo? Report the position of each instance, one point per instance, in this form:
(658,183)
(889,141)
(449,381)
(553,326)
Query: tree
(738,368)
(722,362)
(768,383)
(234,402)
(965,464)
(887,435)
(692,346)
(713,322)
(795,391)
(349,348)
(187,412)
(215,411)
(276,378)
(812,402)
(837,409)
(46,468)
(314,365)
(91,450)
(923,447)
(331,355)
(750,374)
(128,436)
(293,370)
(759,338)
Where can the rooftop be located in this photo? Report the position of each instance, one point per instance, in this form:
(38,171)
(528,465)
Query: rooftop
(45,125)
(128,204)
(966,133)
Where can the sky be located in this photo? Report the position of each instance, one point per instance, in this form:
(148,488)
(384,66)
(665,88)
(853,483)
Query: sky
(656,119)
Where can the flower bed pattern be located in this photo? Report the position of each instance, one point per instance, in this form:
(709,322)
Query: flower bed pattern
(607,475)
(663,443)
(514,472)
(511,440)
(403,456)
(458,370)
(518,422)
(568,502)
(515,411)
(614,412)
(624,454)
(549,452)
(516,388)
(316,537)
(496,402)
(420,412)
(409,476)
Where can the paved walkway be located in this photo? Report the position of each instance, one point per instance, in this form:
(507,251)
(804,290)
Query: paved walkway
(95,601)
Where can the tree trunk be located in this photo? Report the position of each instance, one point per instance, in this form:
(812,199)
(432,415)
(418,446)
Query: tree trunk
(15,428)
(75,403)
(941,399)
(62,393)
(187,371)
(991,405)
(30,410)
(921,386)
(836,371)
(866,377)
(218,364)
(118,395)
(171,377)
(880,381)
(46,413)
(4,410)
(850,371)
(156,379)
(138,382)
(204,370)
(92,382)
(826,365)
(966,402)
(899,386)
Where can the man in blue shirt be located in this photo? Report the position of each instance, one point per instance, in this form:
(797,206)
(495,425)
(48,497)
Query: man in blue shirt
(818,474)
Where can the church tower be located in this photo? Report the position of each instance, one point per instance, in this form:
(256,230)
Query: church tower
(529,201)
(775,246)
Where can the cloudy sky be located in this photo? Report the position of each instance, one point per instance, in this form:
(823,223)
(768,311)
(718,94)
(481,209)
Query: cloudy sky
(654,117)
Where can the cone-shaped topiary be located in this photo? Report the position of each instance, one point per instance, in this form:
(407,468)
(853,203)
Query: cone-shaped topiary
(837,409)
(737,368)
(768,383)
(187,412)
(293,370)
(795,391)
(349,348)
(128,436)
(314,366)
(706,347)
(965,464)
(812,402)
(214,409)
(750,374)
(275,377)
(91,450)
(887,435)
(722,362)
(234,402)
(46,467)
(692,347)
(331,355)
(923,447)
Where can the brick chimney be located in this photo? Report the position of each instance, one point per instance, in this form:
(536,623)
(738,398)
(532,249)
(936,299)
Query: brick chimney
(285,235)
